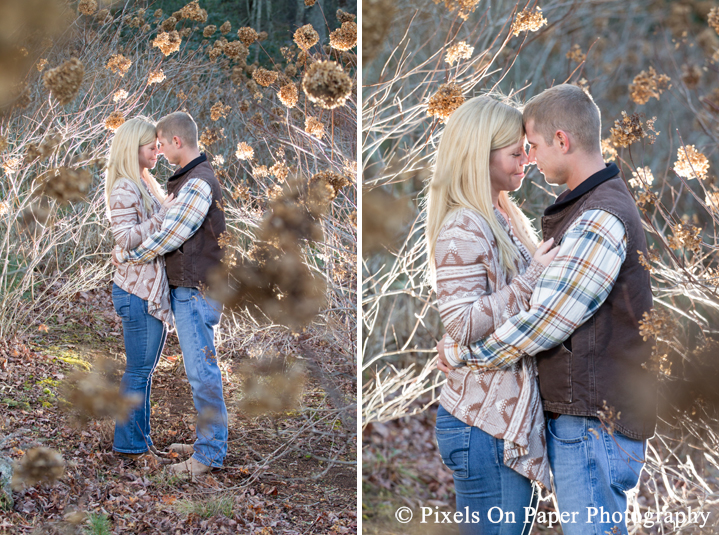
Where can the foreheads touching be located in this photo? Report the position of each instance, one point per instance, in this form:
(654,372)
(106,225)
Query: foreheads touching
(178,125)
(564,111)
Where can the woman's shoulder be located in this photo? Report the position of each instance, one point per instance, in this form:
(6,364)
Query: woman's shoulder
(125,192)
(466,220)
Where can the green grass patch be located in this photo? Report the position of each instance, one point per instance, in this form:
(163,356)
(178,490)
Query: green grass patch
(98,524)
(218,505)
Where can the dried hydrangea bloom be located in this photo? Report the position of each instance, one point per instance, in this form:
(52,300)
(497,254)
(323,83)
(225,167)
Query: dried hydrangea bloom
(314,127)
(377,18)
(528,21)
(3,143)
(648,84)
(168,24)
(119,95)
(326,84)
(103,16)
(458,51)
(252,86)
(576,55)
(185,33)
(691,163)
(685,237)
(627,130)
(167,42)
(343,16)
(226,28)
(136,22)
(712,200)
(236,50)
(192,11)
(157,14)
(247,35)
(608,150)
(244,151)
(11,165)
(64,81)
(118,64)
(280,171)
(209,30)
(219,111)
(291,70)
(264,77)
(335,180)
(713,19)
(691,75)
(210,136)
(443,103)
(155,77)
(38,465)
(642,177)
(289,95)
(67,185)
(310,3)
(260,171)
(345,37)
(87,7)
(262,36)
(114,121)
(306,37)
(41,64)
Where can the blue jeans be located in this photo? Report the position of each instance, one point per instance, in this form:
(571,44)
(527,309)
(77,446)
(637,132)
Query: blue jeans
(592,474)
(196,317)
(144,337)
(491,496)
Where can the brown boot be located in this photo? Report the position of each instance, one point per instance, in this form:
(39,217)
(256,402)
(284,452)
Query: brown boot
(182,449)
(190,466)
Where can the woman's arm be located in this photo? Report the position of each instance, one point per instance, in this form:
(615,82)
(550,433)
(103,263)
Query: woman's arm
(467,272)
(127,229)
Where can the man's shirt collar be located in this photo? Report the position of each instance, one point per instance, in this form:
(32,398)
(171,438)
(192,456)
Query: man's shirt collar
(567,197)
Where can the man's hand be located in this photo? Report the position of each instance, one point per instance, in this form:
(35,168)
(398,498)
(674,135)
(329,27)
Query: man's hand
(442,364)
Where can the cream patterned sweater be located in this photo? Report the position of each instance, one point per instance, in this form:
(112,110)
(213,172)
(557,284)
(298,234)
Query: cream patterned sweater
(475,296)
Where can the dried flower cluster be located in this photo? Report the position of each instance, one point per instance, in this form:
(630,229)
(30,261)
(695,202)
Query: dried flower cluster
(326,84)
(343,16)
(104,16)
(155,77)
(269,388)
(66,185)
(383,218)
(345,37)
(192,11)
(37,466)
(306,37)
(644,262)
(41,64)
(458,51)
(465,7)
(280,171)
(167,42)
(377,18)
(691,163)
(119,95)
(687,237)
(118,64)
(244,151)
(691,75)
(713,19)
(90,396)
(314,127)
(528,21)
(289,95)
(64,81)
(247,35)
(712,200)
(264,77)
(87,7)
(219,111)
(210,136)
(642,177)
(236,50)
(114,120)
(226,28)
(576,55)
(648,84)
(209,30)
(608,150)
(627,130)
(336,181)
(44,149)
(443,103)
(644,199)
(169,24)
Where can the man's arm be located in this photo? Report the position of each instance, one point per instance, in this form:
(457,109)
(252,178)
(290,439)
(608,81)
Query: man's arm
(181,222)
(568,293)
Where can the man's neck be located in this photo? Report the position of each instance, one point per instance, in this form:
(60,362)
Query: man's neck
(585,167)
(188,157)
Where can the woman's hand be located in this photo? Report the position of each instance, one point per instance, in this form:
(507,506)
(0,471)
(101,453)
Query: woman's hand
(442,364)
(169,201)
(545,253)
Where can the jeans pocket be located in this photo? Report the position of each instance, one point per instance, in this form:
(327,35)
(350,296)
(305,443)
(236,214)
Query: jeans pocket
(453,443)
(184,295)
(568,429)
(626,459)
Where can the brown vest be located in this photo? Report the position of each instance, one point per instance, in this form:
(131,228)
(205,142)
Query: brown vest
(603,359)
(188,266)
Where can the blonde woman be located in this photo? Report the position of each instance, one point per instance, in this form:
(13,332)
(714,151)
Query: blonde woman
(485,262)
(136,206)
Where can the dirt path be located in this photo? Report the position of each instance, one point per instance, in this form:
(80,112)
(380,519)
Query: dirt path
(275,478)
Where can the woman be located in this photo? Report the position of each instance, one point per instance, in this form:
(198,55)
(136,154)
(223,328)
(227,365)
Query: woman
(136,206)
(483,253)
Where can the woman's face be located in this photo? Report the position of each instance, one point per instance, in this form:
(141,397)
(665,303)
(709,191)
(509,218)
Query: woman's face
(506,168)
(148,155)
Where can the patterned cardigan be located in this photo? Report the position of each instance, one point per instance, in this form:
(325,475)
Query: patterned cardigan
(475,296)
(131,224)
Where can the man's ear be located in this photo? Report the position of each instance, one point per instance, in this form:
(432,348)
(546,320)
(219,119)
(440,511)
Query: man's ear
(562,139)
(177,141)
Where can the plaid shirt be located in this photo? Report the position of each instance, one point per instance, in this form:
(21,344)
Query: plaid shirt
(181,222)
(568,293)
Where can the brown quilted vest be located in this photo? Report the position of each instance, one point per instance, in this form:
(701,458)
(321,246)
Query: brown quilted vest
(603,359)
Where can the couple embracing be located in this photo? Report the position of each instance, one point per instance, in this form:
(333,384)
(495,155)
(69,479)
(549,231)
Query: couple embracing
(166,245)
(542,339)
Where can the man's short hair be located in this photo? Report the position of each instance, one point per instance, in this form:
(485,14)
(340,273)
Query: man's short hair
(178,124)
(569,108)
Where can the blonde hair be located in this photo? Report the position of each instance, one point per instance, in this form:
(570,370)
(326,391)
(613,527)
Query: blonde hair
(461,175)
(569,108)
(124,161)
(178,124)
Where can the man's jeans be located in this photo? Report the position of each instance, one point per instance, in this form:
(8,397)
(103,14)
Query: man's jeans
(196,317)
(592,474)
(484,485)
(144,339)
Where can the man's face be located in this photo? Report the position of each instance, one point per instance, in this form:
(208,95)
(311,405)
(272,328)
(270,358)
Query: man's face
(546,157)
(168,148)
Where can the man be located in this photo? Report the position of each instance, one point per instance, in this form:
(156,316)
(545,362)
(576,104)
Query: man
(582,323)
(189,241)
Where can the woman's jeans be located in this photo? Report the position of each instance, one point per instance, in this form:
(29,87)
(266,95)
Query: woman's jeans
(144,339)
(490,496)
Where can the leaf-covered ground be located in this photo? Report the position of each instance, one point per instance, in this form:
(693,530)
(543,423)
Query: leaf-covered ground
(276,477)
